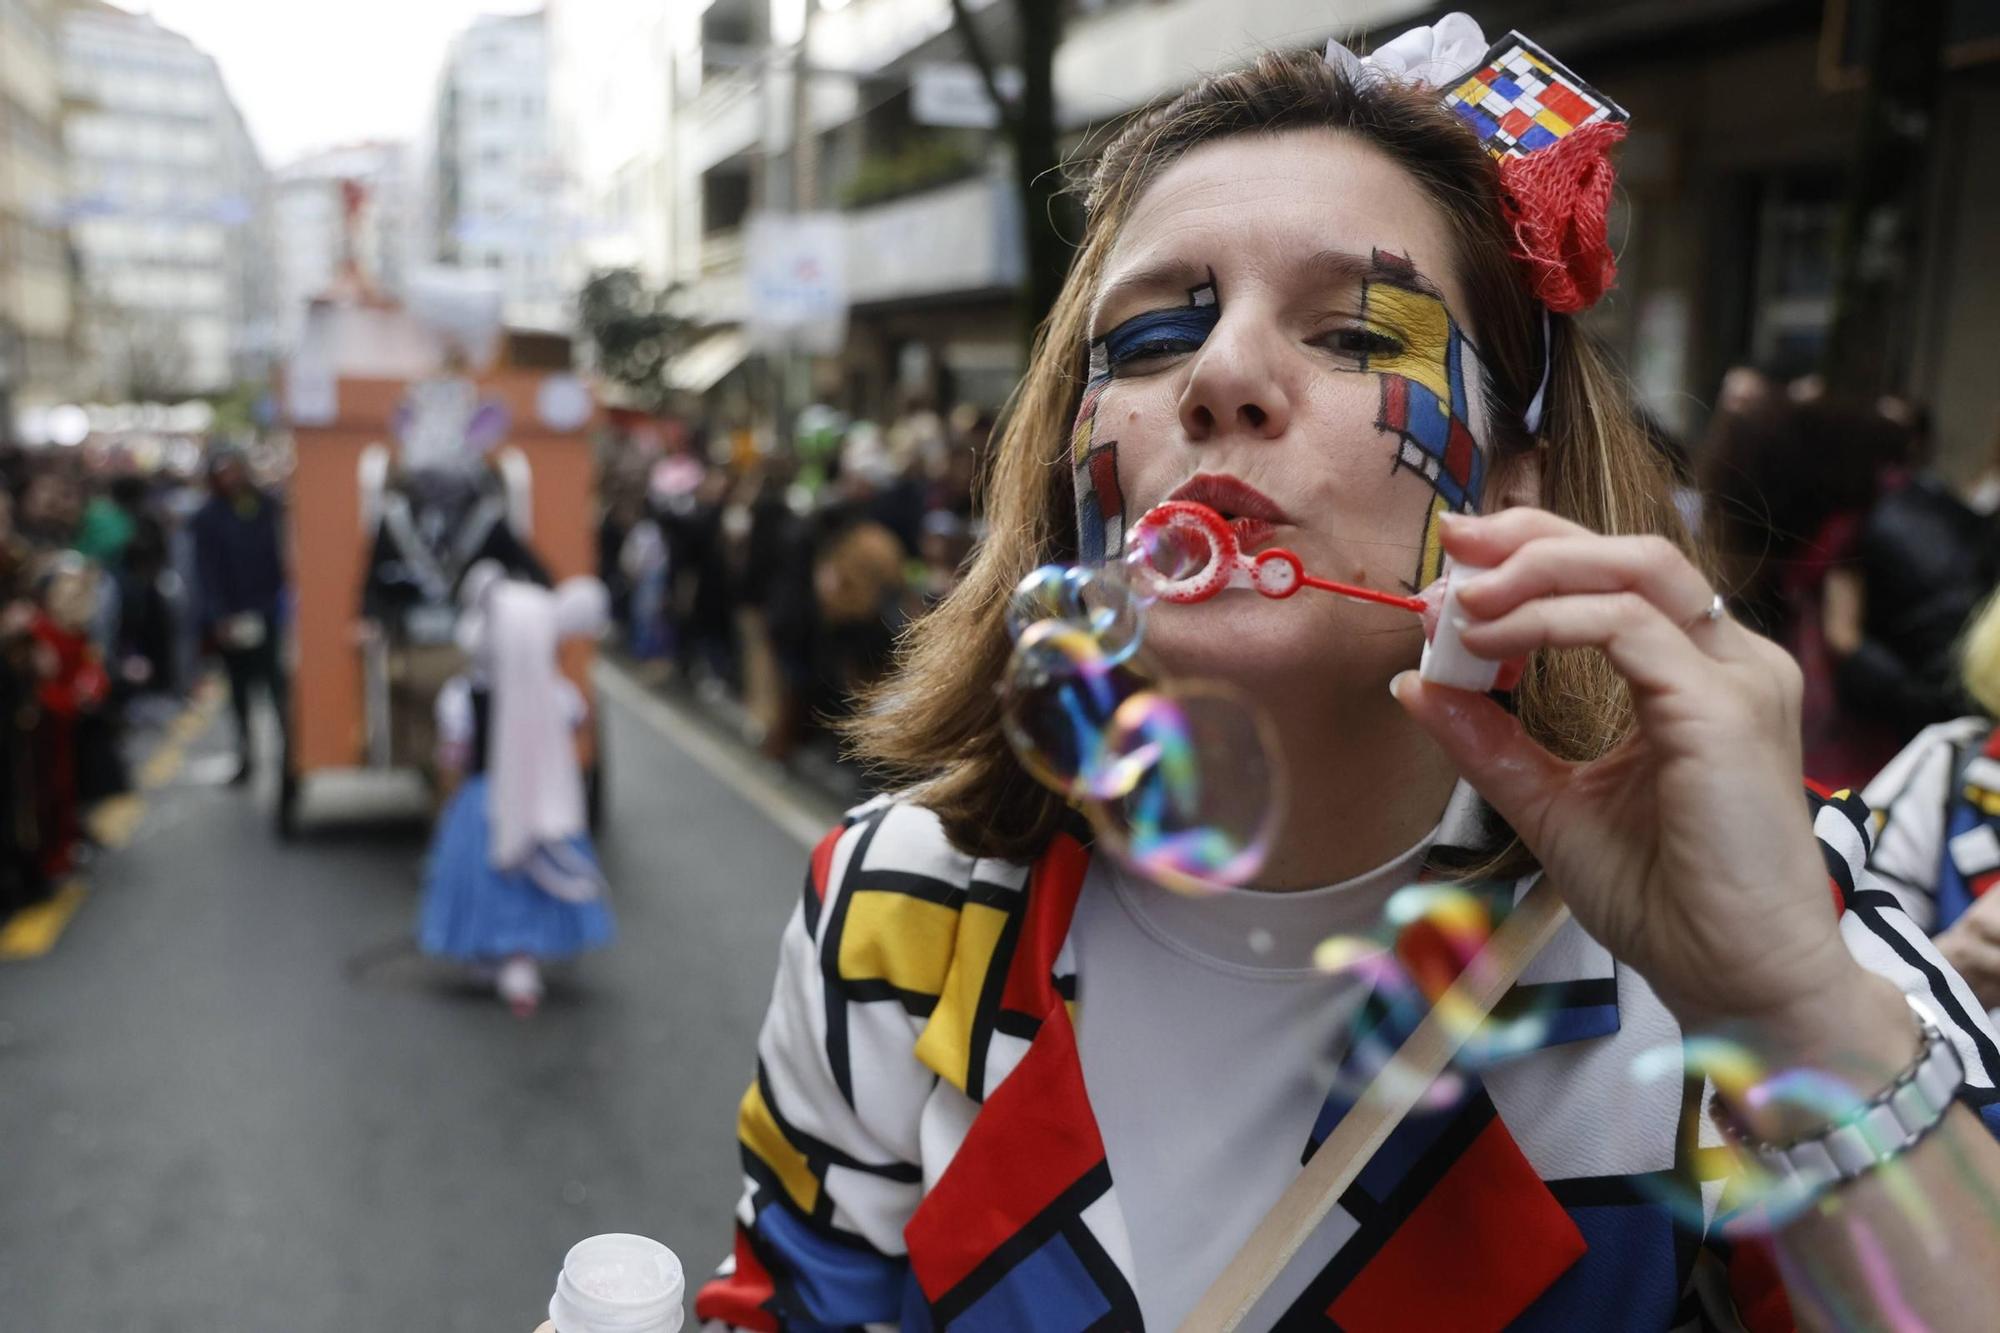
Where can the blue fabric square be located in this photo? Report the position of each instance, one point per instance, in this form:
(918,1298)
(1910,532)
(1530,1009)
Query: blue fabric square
(1537,138)
(1050,1291)
(1625,1280)
(1507,88)
(837,1284)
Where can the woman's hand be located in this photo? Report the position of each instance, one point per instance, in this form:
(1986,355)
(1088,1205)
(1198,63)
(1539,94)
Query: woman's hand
(1687,850)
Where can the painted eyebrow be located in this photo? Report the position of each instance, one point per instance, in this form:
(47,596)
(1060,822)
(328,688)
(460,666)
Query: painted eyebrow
(1325,267)
(1340,267)
(1179,276)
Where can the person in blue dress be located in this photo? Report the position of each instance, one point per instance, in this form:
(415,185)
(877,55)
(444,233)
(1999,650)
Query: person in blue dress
(513,880)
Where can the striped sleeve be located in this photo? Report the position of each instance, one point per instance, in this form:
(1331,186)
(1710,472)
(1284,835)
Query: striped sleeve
(829,1130)
(1910,799)
(1884,937)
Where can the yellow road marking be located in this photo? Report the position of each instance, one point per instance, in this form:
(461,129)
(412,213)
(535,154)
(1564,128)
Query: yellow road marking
(33,931)
(114,822)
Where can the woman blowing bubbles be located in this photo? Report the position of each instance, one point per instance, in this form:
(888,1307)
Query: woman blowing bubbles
(1004,1084)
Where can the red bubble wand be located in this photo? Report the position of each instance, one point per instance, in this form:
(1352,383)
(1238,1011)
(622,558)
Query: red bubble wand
(1192,554)
(1186,552)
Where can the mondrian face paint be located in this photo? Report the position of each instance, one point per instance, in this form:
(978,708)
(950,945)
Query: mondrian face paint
(1100,501)
(1433,395)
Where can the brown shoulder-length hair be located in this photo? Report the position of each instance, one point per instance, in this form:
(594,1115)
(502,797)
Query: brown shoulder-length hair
(933,726)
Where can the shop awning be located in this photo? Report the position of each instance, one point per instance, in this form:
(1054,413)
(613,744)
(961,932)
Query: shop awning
(697,369)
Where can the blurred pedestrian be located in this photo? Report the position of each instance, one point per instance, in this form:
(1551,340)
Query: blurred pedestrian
(240,569)
(513,879)
(1791,479)
(1921,562)
(1939,802)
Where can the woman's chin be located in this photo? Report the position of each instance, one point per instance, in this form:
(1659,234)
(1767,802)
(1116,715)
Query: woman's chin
(1258,642)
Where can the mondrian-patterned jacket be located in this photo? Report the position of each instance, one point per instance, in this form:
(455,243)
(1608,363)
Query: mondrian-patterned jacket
(920,1151)
(1938,804)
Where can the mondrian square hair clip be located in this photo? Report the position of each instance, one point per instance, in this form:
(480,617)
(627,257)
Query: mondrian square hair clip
(1551,134)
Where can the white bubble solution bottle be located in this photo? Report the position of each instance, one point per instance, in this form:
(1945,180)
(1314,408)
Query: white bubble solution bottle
(617,1283)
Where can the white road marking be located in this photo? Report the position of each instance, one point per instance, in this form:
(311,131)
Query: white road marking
(746,775)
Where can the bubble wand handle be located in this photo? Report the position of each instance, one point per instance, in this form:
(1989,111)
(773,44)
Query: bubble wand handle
(1415,604)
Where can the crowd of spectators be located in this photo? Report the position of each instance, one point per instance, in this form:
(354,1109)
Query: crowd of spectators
(783,583)
(99,629)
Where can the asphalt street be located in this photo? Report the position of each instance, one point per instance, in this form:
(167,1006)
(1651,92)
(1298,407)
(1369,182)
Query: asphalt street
(232,1097)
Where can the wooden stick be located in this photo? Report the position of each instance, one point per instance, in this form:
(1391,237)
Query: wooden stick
(1383,1104)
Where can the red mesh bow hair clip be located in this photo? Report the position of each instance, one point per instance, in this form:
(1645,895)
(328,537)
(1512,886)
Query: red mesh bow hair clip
(1552,134)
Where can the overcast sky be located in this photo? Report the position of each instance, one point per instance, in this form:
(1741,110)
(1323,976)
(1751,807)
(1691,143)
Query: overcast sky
(312,73)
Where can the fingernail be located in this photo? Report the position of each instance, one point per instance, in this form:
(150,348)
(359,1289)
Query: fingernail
(1396,684)
(1461,623)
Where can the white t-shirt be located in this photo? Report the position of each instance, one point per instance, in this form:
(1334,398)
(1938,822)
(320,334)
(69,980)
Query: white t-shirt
(1204,1021)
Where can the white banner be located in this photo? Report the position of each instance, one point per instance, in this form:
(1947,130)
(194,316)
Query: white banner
(796,265)
(955,95)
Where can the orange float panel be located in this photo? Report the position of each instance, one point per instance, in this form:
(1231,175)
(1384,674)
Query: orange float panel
(329,552)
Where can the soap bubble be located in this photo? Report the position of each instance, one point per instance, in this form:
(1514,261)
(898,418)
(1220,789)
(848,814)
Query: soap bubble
(1059,697)
(1429,936)
(1100,602)
(1188,786)
(1746,1197)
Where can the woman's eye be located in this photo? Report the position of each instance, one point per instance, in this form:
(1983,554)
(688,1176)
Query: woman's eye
(1132,359)
(1361,342)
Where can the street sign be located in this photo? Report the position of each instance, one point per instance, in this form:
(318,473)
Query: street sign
(955,96)
(796,267)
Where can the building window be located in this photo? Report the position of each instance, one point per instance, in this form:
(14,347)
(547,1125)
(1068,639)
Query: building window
(1793,310)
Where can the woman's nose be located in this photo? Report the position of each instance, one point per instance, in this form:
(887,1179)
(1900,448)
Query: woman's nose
(1235,388)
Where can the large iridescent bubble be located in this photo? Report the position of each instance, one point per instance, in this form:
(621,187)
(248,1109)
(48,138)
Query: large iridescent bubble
(1101,603)
(1058,700)
(1188,788)
(1181,780)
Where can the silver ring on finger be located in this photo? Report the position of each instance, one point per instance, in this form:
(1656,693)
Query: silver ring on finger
(1717,609)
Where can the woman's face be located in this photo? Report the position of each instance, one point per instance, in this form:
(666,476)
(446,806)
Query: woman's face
(1281,335)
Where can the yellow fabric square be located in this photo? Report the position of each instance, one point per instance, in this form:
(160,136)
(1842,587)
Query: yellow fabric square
(1469,91)
(895,938)
(1420,323)
(759,1132)
(946,1044)
(1551,122)
(1987,802)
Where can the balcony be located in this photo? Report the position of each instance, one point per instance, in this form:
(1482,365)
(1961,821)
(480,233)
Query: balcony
(724,119)
(959,238)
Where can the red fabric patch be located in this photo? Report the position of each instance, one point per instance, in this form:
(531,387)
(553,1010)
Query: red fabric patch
(1565,103)
(1757,1289)
(1487,75)
(1052,890)
(742,1299)
(1458,453)
(1491,1221)
(1516,122)
(822,861)
(1035,1138)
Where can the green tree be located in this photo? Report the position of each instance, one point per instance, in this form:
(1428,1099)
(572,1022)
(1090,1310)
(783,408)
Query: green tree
(633,332)
(1048,214)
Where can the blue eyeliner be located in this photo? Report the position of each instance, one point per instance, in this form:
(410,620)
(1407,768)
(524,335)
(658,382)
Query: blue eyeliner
(1160,333)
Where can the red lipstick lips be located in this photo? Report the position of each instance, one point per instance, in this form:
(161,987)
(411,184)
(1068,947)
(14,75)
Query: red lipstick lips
(1254,515)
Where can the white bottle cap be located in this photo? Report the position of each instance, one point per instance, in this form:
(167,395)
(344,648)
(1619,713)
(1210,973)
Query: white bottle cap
(618,1283)
(1446,660)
